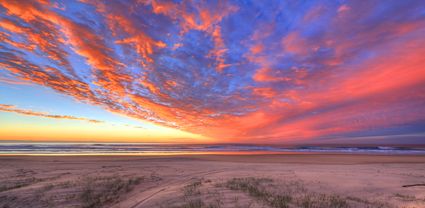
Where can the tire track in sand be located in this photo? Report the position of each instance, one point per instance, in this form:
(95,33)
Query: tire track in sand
(155,191)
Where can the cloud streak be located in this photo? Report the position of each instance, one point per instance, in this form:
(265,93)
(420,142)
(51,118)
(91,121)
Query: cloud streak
(13,109)
(233,71)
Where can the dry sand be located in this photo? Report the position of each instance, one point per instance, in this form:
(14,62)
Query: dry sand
(310,180)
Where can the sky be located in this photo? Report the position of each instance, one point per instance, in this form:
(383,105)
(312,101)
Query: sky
(182,71)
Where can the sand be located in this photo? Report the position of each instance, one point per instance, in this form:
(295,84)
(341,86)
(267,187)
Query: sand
(293,180)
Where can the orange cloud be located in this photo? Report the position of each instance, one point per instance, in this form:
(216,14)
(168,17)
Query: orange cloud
(264,75)
(14,82)
(294,43)
(206,20)
(343,8)
(264,92)
(258,48)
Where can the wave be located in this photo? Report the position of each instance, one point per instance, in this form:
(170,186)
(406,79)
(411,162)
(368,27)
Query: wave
(161,149)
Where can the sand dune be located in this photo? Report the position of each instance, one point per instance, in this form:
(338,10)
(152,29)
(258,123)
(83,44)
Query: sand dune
(213,181)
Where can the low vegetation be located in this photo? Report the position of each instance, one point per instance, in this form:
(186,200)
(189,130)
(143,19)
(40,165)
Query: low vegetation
(293,194)
(260,188)
(192,189)
(263,192)
(193,198)
(19,184)
(322,201)
(27,189)
(101,191)
(255,188)
(247,192)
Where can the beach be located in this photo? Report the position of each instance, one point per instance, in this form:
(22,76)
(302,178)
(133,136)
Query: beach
(281,180)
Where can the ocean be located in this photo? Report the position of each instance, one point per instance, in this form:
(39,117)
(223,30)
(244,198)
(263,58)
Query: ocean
(8,148)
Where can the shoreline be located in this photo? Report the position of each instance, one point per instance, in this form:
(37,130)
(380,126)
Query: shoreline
(311,158)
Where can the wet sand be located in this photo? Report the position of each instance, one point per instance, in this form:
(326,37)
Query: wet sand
(290,180)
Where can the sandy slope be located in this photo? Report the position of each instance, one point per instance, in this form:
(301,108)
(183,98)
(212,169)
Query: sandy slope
(177,181)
